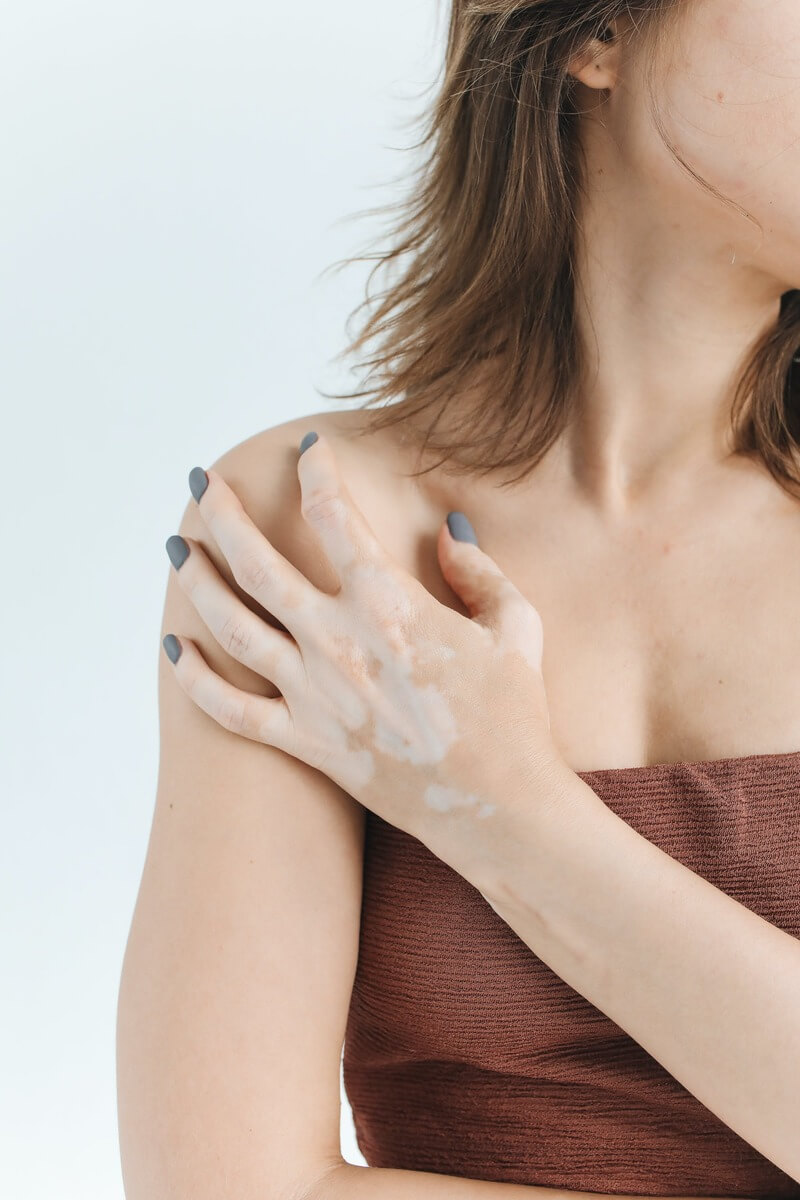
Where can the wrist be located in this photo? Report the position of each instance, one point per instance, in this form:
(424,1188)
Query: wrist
(537,880)
(526,834)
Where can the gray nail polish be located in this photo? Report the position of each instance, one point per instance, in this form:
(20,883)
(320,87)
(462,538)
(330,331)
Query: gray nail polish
(460,528)
(172,647)
(178,550)
(307,441)
(198,482)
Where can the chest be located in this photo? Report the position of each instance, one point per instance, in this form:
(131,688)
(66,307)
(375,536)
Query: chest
(679,647)
(681,652)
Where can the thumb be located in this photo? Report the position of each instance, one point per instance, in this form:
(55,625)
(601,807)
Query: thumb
(475,577)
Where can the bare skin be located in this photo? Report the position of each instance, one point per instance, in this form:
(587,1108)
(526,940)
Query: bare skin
(668,643)
(665,572)
(248,847)
(666,637)
(539,536)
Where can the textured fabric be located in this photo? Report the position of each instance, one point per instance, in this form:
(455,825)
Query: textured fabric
(466,1055)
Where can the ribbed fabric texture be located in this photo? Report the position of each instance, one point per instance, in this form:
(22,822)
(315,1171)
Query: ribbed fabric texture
(466,1055)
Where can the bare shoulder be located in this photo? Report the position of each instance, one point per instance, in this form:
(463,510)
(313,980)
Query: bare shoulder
(368,457)
(377,467)
(243,946)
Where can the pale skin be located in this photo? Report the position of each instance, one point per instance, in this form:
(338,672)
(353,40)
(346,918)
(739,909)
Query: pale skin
(667,582)
(377,692)
(376,680)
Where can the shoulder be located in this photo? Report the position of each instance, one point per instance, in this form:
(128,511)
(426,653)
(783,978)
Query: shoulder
(377,466)
(262,470)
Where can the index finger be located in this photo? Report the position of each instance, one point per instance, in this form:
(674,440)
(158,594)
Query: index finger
(258,568)
(327,505)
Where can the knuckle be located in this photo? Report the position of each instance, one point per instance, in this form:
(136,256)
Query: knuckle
(384,606)
(394,631)
(235,638)
(231,715)
(397,624)
(251,571)
(353,659)
(324,507)
(381,590)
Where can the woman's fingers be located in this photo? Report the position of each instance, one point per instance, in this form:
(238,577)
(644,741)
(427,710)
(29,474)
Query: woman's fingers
(346,536)
(260,718)
(258,568)
(242,633)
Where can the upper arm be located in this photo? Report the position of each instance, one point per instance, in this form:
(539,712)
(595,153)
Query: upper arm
(240,960)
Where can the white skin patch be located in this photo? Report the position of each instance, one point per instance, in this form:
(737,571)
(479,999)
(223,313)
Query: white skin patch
(375,700)
(436,723)
(444,799)
(426,718)
(379,699)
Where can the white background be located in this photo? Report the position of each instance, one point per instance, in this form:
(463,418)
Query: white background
(172,178)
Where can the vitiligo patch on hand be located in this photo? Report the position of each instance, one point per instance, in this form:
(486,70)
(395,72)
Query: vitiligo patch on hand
(445,799)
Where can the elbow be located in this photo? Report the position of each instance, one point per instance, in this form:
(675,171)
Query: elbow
(327,1183)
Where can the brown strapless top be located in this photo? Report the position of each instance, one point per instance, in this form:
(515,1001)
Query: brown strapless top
(466,1055)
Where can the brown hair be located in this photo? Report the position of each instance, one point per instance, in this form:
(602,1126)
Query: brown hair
(487,294)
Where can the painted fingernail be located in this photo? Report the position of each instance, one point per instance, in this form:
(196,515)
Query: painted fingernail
(178,550)
(307,441)
(198,482)
(460,528)
(172,647)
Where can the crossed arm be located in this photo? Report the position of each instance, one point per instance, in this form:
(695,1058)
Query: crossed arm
(349,1182)
(707,986)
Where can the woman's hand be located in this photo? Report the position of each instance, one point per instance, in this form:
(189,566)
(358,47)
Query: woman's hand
(435,721)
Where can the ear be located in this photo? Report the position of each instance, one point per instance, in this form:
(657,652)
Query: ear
(598,64)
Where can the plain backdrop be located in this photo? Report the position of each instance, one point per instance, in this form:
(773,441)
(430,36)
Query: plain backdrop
(175,177)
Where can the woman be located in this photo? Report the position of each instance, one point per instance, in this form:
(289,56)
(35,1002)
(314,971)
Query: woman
(594,341)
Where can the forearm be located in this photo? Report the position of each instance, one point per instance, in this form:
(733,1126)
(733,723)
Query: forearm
(709,988)
(350,1182)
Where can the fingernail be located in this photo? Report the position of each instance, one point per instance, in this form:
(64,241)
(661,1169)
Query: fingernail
(198,482)
(178,550)
(307,441)
(172,647)
(460,528)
